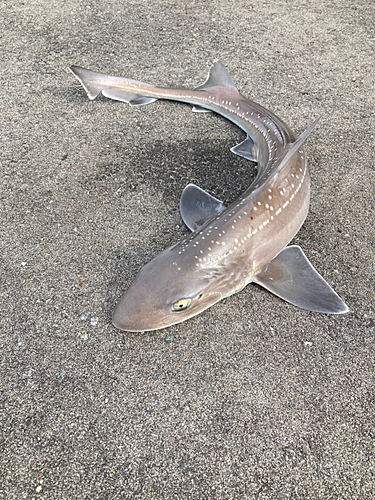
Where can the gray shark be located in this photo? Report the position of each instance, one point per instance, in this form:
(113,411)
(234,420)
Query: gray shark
(228,247)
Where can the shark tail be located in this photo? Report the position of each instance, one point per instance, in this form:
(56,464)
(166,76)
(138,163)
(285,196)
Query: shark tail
(113,87)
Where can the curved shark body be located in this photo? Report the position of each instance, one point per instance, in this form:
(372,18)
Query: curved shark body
(232,246)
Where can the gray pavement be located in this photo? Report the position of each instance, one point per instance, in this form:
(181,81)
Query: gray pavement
(254,398)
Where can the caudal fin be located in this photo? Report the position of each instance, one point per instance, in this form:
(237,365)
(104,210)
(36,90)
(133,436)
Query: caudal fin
(113,87)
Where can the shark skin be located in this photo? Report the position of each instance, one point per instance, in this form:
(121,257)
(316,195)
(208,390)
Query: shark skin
(232,246)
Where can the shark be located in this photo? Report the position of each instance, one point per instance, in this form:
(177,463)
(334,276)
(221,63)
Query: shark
(228,246)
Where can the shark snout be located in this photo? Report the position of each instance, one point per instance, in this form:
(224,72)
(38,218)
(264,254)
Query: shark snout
(129,318)
(130,322)
(120,320)
(134,313)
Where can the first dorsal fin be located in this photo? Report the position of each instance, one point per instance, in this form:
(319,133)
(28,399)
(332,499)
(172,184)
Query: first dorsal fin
(298,143)
(218,76)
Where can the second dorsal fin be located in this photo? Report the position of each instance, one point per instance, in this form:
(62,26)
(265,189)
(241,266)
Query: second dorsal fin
(218,76)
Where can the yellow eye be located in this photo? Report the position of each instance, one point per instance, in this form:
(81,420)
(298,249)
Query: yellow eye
(181,304)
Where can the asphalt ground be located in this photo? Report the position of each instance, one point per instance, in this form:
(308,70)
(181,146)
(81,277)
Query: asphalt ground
(252,399)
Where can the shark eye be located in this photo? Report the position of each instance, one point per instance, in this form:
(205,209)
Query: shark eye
(181,304)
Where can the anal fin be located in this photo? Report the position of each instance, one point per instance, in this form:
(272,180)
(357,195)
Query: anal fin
(197,206)
(291,277)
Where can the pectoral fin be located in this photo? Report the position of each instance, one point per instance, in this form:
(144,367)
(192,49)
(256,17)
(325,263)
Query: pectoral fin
(197,206)
(291,277)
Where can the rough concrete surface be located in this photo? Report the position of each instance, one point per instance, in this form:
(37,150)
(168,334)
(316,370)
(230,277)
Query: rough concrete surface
(254,398)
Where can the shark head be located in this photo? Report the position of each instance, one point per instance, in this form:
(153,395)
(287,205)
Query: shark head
(168,290)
